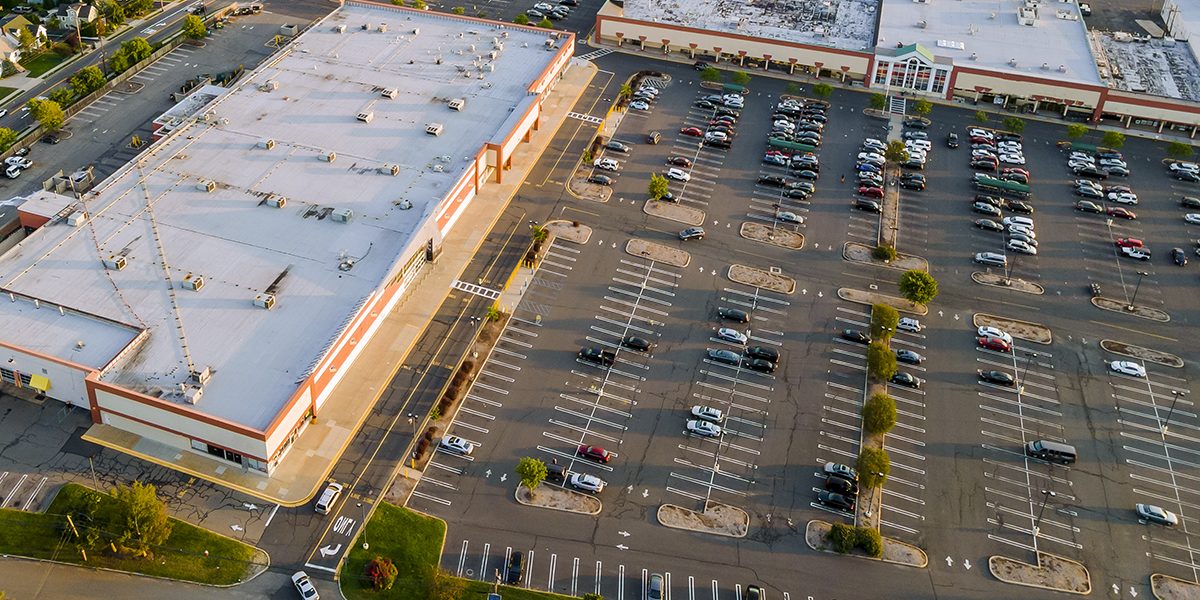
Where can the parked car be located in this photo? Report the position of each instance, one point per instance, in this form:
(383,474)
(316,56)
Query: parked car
(730,334)
(692,233)
(998,378)
(725,357)
(1121,212)
(1178,256)
(305,587)
(1142,254)
(995,343)
(456,445)
(833,469)
(704,428)
(907,380)
(600,179)
(736,315)
(952,140)
(908,356)
(587,483)
(763,352)
(836,501)
(761,365)
(516,562)
(1127,367)
(599,356)
(855,335)
(1155,514)
(708,413)
(637,344)
(1091,207)
(868,205)
(595,453)
(988,225)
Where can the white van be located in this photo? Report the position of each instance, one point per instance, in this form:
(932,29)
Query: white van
(1022,221)
(328,498)
(991,259)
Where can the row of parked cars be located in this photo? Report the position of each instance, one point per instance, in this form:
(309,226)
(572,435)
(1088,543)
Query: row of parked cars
(990,149)
(554,12)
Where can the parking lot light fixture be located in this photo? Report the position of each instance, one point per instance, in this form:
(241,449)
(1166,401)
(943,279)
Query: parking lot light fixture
(1141,274)
(1047,495)
(1167,422)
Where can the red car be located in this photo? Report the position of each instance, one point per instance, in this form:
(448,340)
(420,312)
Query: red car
(992,343)
(1017,170)
(982,140)
(870,192)
(1129,243)
(595,453)
(692,131)
(778,153)
(679,161)
(1124,213)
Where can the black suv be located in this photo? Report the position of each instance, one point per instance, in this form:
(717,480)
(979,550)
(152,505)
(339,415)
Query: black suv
(513,573)
(733,314)
(774,180)
(868,205)
(763,352)
(604,358)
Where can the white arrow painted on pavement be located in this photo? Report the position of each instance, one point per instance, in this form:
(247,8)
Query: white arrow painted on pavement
(236,527)
(622,547)
(645,493)
(820,294)
(949,562)
(623,533)
(1132,592)
(804,291)
(955,317)
(940,313)
(1116,589)
(629,490)
(250,506)
(330,551)
(967,564)
(487,473)
(504,477)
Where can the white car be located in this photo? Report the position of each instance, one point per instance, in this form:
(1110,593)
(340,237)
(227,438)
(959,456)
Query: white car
(1014,146)
(786,125)
(981,153)
(543,6)
(707,413)
(1193,218)
(977,132)
(1156,514)
(1123,197)
(18,161)
(787,216)
(303,585)
(1136,253)
(874,142)
(917,155)
(457,445)
(1184,166)
(1126,367)
(1012,159)
(639,105)
(1022,247)
(607,164)
(910,324)
(649,89)
(704,428)
(921,144)
(1022,221)
(4,111)
(1017,228)
(995,332)
(716,136)
(1113,162)
(12,172)
(679,175)
(732,335)
(1076,165)
(587,483)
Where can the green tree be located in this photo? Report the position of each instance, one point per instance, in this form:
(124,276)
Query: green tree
(884,319)
(869,540)
(842,537)
(1180,150)
(884,252)
(711,74)
(444,586)
(1014,124)
(47,113)
(625,91)
(25,39)
(540,233)
(459,10)
(8,137)
(419,4)
(193,28)
(87,80)
(881,362)
(658,186)
(873,467)
(922,107)
(532,472)
(546,23)
(878,101)
(587,156)
(793,88)
(741,78)
(918,286)
(895,152)
(981,116)
(114,13)
(62,95)
(139,518)
(381,572)
(822,90)
(879,414)
(521,19)
(137,49)
(1076,130)
(1113,139)
(494,313)
(587,596)
(137,8)
(400,2)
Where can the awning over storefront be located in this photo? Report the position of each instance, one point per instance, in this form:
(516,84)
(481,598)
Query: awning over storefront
(39,382)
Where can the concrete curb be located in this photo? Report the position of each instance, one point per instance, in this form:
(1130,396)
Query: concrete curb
(992,560)
(697,217)
(899,304)
(977,277)
(817,522)
(1157,579)
(599,503)
(889,265)
(658,517)
(1174,364)
(656,252)
(1115,306)
(570,186)
(745,226)
(783,280)
(565,225)
(975,319)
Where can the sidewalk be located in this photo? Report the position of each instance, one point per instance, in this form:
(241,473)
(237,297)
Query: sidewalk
(314,453)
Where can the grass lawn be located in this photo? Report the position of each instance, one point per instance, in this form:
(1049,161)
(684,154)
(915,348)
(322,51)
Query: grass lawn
(6,92)
(42,62)
(414,543)
(181,557)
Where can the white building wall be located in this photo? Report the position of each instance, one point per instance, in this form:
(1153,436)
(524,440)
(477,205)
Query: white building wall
(66,383)
(178,425)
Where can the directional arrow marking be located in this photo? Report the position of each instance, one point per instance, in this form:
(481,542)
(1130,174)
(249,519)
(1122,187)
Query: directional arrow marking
(250,506)
(622,547)
(504,477)
(328,551)
(645,493)
(1132,592)
(623,533)
(949,562)
(487,473)
(967,564)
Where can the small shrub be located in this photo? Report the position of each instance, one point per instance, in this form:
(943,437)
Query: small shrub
(822,90)
(869,541)
(451,393)
(981,116)
(871,463)
(458,10)
(879,414)
(431,432)
(878,101)
(381,572)
(884,252)
(587,156)
(881,362)
(842,537)
(884,319)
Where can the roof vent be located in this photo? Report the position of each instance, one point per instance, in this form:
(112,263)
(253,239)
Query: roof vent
(200,377)
(329,156)
(974,56)
(76,218)
(1012,62)
(416,31)
(366,26)
(383,28)
(365,116)
(267,143)
(114,262)
(266,301)
(922,24)
(193,282)
(191,393)
(269,85)
(343,215)
(1045,66)
(390,93)
(392,170)
(404,204)
(207,186)
(276,201)
(1062,68)
(339,28)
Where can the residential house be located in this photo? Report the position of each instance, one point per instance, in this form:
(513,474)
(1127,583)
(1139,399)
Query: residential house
(11,26)
(10,55)
(77,14)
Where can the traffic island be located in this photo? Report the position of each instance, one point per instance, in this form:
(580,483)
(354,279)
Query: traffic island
(1051,573)
(1155,356)
(658,252)
(759,278)
(570,231)
(556,498)
(581,188)
(856,252)
(674,212)
(816,535)
(1144,312)
(784,238)
(1000,281)
(1030,332)
(871,298)
(1165,587)
(889,215)
(717,519)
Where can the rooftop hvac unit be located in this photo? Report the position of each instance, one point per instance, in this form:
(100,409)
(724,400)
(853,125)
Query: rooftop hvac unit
(1045,66)
(266,301)
(366,26)
(276,201)
(267,143)
(200,377)
(390,93)
(383,28)
(339,28)
(392,170)
(365,116)
(416,30)
(504,34)
(76,218)
(269,85)
(193,282)
(343,215)
(434,129)
(498,45)
(1062,68)
(489,68)
(922,24)
(114,262)
(207,186)
(457,104)
(493,54)
(192,393)
(329,156)
(470,47)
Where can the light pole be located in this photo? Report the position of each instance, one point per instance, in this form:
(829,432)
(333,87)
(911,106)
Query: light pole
(412,420)
(1167,421)
(1029,357)
(1141,274)
(363,511)
(1046,496)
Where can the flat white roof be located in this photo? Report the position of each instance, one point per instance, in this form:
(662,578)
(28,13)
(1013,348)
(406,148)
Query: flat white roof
(989,31)
(152,213)
(65,334)
(844,24)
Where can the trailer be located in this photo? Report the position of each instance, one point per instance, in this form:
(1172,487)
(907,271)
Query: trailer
(987,183)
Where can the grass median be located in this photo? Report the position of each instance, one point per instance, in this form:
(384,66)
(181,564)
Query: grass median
(47,536)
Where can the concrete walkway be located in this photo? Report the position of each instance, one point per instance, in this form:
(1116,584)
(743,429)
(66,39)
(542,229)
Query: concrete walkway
(312,457)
